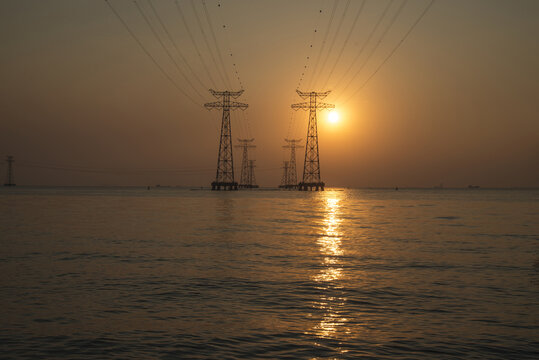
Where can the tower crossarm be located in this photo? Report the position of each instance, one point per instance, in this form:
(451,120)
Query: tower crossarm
(305,94)
(232,94)
(231,105)
(292,143)
(308,106)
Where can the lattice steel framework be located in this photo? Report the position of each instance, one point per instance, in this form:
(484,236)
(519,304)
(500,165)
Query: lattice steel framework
(225,163)
(292,175)
(311,165)
(251,180)
(245,145)
(9,174)
(285,179)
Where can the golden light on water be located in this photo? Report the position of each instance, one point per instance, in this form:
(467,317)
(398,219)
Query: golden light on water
(330,246)
(330,242)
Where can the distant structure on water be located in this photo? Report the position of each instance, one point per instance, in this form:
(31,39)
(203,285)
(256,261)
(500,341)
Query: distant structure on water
(9,175)
(290,176)
(247,174)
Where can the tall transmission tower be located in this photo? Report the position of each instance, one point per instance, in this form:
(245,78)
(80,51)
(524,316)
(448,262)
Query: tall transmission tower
(225,164)
(292,175)
(311,165)
(285,179)
(9,174)
(245,145)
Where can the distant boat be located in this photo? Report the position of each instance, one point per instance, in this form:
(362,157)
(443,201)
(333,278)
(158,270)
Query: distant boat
(473,186)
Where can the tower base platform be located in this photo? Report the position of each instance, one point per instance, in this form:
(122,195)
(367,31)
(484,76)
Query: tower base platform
(288,187)
(319,186)
(225,185)
(247,186)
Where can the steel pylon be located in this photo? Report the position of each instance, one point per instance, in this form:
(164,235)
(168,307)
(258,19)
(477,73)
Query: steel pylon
(251,180)
(285,179)
(311,165)
(225,163)
(291,175)
(246,180)
(9,174)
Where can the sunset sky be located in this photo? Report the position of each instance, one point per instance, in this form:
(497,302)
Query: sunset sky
(456,103)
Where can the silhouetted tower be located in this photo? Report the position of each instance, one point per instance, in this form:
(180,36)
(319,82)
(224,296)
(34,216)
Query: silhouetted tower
(245,144)
(251,178)
(225,164)
(311,165)
(285,179)
(292,176)
(9,174)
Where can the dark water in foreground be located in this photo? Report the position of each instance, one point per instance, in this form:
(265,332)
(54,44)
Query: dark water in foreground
(172,273)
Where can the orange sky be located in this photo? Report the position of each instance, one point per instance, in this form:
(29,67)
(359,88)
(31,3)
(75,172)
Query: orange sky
(457,103)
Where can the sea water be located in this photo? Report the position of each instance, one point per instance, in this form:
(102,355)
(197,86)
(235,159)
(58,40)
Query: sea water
(172,273)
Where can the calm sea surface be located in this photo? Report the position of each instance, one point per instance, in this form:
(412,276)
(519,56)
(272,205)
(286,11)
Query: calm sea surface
(180,274)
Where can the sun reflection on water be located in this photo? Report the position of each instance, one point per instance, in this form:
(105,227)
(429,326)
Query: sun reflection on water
(330,246)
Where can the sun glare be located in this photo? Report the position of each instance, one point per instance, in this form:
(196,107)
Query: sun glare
(333,117)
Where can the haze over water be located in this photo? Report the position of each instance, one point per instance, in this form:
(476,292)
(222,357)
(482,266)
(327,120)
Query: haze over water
(174,273)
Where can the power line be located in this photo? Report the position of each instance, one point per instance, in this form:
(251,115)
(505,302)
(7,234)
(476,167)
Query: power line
(171,39)
(191,37)
(149,54)
(206,41)
(225,27)
(215,42)
(336,2)
(246,120)
(291,122)
(365,43)
(245,123)
(333,41)
(86,169)
(373,50)
(165,48)
(112,171)
(358,14)
(309,54)
(394,49)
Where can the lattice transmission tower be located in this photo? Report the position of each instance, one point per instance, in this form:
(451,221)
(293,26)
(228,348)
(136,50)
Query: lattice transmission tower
(9,174)
(245,174)
(225,163)
(292,175)
(251,180)
(285,179)
(311,165)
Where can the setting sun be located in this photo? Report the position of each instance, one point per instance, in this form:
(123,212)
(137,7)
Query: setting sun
(333,117)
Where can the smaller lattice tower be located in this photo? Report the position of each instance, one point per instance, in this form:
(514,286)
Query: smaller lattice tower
(225,163)
(9,174)
(284,179)
(245,145)
(251,179)
(292,175)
